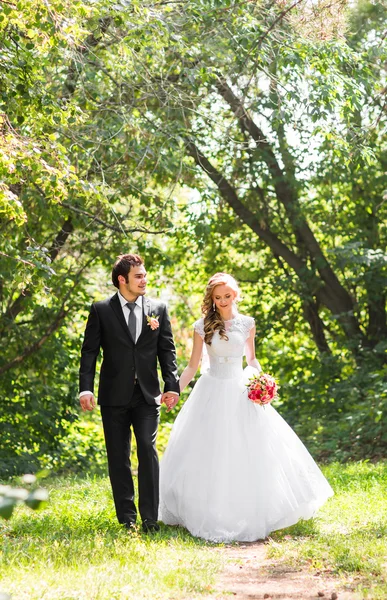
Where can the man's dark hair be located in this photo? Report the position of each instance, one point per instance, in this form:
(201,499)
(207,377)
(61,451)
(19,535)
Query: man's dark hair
(123,265)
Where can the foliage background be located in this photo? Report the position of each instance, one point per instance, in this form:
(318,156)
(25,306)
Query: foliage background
(238,136)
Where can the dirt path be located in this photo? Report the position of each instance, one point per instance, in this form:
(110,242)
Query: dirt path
(249,575)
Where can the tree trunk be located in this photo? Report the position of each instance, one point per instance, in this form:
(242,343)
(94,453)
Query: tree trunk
(310,310)
(316,286)
(333,294)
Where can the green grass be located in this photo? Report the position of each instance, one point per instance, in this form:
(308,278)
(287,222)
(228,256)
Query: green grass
(349,535)
(75,550)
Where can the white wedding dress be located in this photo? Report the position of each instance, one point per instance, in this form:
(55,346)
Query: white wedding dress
(233,470)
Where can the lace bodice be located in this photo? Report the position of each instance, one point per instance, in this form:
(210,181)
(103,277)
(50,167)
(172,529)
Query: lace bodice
(225,356)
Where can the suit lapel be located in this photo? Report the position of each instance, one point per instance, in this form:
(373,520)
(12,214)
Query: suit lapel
(146,310)
(117,308)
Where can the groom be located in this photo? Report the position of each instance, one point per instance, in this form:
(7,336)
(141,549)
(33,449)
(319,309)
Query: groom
(133,332)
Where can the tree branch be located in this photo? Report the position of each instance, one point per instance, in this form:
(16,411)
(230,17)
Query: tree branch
(107,225)
(316,324)
(60,239)
(91,42)
(36,345)
(260,40)
(314,285)
(18,259)
(340,300)
(60,315)
(231,197)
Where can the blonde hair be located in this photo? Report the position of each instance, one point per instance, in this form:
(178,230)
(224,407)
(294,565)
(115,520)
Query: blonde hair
(213,321)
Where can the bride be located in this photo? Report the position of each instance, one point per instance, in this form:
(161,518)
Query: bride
(233,470)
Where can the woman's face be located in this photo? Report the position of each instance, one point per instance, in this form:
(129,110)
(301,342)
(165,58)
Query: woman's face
(223,296)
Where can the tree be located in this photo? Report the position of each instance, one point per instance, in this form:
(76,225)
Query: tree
(273,113)
(59,214)
(237,88)
(230,96)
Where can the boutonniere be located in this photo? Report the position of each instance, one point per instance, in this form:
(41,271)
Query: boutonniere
(153,321)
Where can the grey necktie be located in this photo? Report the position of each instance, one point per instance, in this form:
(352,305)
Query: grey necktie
(132,324)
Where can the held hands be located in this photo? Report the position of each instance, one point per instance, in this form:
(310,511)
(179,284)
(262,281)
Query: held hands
(170,400)
(87,402)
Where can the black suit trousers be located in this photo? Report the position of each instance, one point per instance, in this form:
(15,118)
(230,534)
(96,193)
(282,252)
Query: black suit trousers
(118,422)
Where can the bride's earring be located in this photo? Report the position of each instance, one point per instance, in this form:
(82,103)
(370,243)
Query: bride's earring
(213,306)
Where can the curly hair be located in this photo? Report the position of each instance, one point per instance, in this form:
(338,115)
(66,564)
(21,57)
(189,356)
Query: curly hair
(213,321)
(123,265)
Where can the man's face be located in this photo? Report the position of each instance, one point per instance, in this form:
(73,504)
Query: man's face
(136,285)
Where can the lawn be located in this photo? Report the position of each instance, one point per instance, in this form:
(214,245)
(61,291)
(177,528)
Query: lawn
(75,550)
(348,538)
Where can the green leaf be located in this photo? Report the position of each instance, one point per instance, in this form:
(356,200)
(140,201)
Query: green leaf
(37,498)
(6,507)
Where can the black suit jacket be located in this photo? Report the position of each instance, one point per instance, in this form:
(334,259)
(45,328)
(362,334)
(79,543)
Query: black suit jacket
(122,358)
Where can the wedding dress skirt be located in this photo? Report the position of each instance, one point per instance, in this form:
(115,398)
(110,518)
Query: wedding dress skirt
(234,470)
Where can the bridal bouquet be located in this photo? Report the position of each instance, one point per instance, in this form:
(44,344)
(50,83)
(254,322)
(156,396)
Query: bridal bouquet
(262,389)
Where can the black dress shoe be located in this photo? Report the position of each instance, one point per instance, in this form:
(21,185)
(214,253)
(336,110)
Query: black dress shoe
(150,526)
(131,526)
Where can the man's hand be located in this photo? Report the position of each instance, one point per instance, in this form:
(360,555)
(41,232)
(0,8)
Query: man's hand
(170,400)
(87,402)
